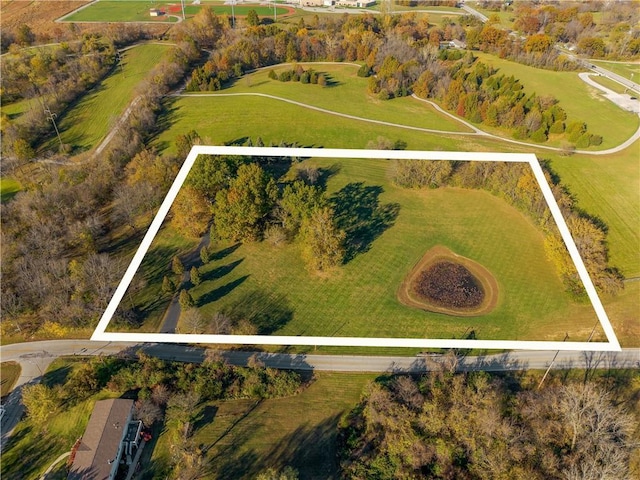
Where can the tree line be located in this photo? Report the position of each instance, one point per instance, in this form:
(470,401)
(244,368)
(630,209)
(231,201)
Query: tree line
(516,184)
(447,425)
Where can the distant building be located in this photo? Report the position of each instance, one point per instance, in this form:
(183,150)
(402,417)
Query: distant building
(459,44)
(110,433)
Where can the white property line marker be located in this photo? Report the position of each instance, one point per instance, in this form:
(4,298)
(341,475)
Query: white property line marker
(100,334)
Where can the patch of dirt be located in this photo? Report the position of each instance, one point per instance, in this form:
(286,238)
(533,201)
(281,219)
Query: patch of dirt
(444,282)
(39,15)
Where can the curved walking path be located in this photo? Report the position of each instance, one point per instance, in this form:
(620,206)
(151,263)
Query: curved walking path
(55,462)
(476,131)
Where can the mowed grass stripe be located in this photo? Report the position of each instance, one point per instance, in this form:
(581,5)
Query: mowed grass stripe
(578,99)
(88,122)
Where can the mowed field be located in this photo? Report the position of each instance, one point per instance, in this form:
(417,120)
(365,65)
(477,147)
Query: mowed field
(244,437)
(88,122)
(578,99)
(346,93)
(138,11)
(359,298)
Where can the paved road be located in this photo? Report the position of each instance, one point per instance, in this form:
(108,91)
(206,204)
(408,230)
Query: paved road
(35,357)
(623,100)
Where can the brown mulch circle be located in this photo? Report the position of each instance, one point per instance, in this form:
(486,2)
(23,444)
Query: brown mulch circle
(438,254)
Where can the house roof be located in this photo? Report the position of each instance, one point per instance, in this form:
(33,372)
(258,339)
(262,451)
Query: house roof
(101,440)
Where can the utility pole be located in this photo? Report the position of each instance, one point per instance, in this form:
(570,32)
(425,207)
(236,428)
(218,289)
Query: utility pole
(182,4)
(233,14)
(52,118)
(275,15)
(566,335)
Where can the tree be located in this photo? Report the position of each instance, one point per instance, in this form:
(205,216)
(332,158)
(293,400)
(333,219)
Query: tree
(147,411)
(185,299)
(322,241)
(40,402)
(252,18)
(240,210)
(195,275)
(191,212)
(204,255)
(176,266)
(192,320)
(168,287)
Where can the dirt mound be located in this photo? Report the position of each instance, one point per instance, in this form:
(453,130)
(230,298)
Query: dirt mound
(449,285)
(444,282)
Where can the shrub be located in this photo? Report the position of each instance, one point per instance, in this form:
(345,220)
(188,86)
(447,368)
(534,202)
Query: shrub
(273,75)
(305,78)
(595,140)
(364,71)
(322,80)
(539,135)
(584,140)
(557,127)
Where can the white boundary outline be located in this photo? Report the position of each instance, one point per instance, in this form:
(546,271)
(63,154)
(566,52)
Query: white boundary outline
(100,334)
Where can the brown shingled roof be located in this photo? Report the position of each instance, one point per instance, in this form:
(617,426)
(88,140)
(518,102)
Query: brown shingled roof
(101,439)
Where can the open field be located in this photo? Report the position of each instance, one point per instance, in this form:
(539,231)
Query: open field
(138,11)
(607,187)
(30,451)
(627,70)
(577,98)
(244,437)
(87,122)
(358,298)
(39,15)
(8,188)
(346,93)
(9,373)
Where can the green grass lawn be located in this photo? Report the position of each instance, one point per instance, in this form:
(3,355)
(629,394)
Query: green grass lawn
(577,98)
(138,11)
(348,95)
(31,450)
(627,70)
(87,122)
(120,11)
(9,373)
(607,187)
(8,188)
(244,437)
(360,297)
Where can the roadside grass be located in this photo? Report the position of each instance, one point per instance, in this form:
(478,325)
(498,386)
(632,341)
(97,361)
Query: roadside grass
(272,284)
(577,98)
(241,438)
(31,450)
(346,93)
(627,70)
(14,109)
(610,84)
(86,123)
(9,373)
(9,187)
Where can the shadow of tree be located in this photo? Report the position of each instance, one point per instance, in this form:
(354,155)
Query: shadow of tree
(220,272)
(225,252)
(311,449)
(358,212)
(267,311)
(218,293)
